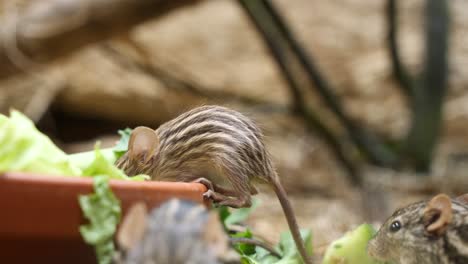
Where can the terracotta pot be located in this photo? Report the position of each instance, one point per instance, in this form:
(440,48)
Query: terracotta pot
(40,215)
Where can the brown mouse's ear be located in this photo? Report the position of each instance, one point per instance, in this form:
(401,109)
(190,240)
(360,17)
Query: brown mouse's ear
(214,234)
(133,226)
(438,214)
(143,142)
(463,198)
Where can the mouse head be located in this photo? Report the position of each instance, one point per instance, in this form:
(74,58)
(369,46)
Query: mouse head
(179,231)
(143,146)
(132,227)
(409,230)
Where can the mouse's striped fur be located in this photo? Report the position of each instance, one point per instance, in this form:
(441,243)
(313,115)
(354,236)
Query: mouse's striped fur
(212,142)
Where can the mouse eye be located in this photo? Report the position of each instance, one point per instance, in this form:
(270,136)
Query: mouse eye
(395,226)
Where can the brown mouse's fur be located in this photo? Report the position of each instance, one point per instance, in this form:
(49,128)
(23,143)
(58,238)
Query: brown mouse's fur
(429,232)
(177,232)
(212,142)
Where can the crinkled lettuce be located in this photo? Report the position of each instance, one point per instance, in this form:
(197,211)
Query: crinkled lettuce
(103,211)
(83,160)
(103,166)
(122,146)
(23,148)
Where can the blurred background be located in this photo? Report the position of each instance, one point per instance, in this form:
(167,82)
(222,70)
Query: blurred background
(364,104)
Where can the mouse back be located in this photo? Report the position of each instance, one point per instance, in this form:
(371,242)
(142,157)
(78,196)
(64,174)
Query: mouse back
(214,138)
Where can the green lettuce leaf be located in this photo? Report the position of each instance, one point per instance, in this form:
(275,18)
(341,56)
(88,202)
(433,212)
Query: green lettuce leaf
(103,211)
(102,166)
(122,146)
(83,160)
(23,148)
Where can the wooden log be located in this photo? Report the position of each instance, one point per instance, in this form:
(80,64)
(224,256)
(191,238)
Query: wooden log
(50,29)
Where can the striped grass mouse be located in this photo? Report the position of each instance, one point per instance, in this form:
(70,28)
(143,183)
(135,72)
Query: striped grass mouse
(427,232)
(177,232)
(216,146)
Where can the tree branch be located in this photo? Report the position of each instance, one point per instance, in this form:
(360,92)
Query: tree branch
(376,151)
(55,28)
(399,70)
(427,116)
(295,77)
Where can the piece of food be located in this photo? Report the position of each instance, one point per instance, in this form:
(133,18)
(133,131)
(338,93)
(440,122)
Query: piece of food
(122,146)
(83,160)
(351,248)
(103,211)
(24,149)
(101,165)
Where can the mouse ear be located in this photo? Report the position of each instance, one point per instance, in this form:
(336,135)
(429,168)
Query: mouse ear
(463,198)
(438,214)
(215,235)
(143,142)
(133,226)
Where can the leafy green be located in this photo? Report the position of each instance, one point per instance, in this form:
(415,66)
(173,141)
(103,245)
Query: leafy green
(351,248)
(286,247)
(101,166)
(122,146)
(103,211)
(237,216)
(102,208)
(242,248)
(25,149)
(257,255)
(261,256)
(224,213)
(82,160)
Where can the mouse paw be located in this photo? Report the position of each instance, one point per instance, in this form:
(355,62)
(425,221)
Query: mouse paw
(208,194)
(205,182)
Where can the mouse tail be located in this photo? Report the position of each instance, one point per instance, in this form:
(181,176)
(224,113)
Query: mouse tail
(291,219)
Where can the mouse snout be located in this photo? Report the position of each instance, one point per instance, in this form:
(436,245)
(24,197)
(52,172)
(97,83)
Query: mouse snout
(375,249)
(371,247)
